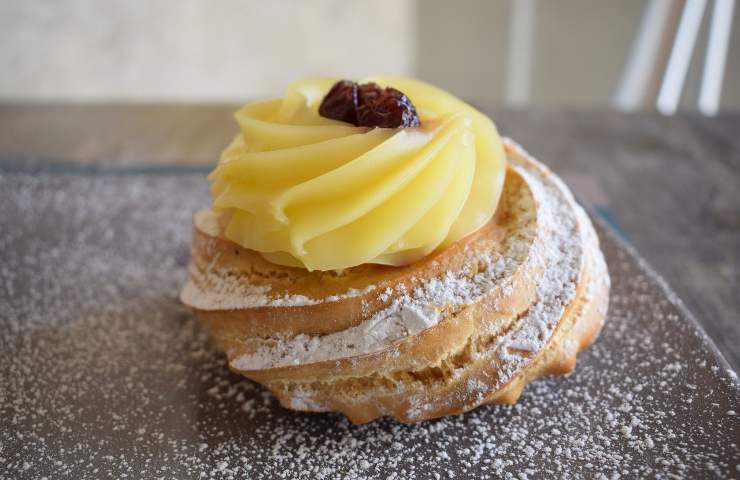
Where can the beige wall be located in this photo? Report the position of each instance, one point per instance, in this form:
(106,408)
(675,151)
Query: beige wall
(199,50)
(194,49)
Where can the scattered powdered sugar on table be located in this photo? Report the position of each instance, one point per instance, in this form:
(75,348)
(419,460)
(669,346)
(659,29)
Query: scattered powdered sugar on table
(103,374)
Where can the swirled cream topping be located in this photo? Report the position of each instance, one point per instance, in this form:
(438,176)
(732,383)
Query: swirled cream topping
(318,193)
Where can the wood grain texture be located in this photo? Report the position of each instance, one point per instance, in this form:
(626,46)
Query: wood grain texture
(670,184)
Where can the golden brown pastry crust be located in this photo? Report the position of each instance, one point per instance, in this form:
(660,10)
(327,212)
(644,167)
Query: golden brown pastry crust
(466,359)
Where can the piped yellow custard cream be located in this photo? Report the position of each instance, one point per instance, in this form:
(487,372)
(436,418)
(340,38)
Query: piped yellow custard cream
(310,191)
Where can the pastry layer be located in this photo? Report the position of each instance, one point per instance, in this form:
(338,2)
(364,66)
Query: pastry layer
(468,325)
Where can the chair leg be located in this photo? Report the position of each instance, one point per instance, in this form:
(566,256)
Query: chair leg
(716,58)
(641,75)
(521,46)
(678,63)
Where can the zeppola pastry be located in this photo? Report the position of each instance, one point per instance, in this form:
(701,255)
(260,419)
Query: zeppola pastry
(377,249)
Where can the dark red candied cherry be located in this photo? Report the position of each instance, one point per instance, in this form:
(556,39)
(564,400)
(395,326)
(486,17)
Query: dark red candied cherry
(368,92)
(341,102)
(368,105)
(384,108)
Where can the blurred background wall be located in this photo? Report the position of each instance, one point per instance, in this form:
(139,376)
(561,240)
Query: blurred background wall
(230,50)
(195,49)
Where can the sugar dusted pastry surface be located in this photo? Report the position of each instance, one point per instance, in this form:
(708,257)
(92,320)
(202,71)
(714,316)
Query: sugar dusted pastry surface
(517,300)
(309,191)
(418,309)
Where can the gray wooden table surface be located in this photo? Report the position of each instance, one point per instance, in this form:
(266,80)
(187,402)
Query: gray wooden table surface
(670,185)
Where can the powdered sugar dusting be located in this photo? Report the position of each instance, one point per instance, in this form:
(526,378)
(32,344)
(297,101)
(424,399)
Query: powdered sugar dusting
(408,314)
(552,242)
(214,288)
(104,374)
(221,290)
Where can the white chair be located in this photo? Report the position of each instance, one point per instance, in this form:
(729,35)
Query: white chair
(641,73)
